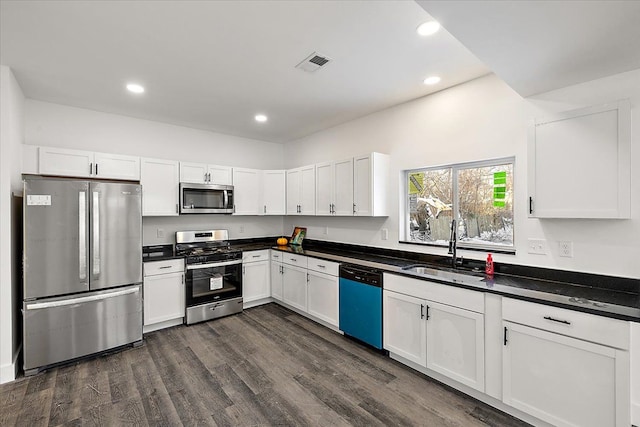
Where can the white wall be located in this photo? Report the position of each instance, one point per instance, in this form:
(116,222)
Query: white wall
(481,119)
(62,126)
(11,135)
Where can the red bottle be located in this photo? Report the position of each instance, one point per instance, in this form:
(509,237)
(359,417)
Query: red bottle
(488,268)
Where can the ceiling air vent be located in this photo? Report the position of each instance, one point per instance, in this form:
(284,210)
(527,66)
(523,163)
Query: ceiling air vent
(313,62)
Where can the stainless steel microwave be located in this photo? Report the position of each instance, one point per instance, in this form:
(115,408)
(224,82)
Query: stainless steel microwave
(205,198)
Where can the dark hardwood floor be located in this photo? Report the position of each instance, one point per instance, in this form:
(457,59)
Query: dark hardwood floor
(266,366)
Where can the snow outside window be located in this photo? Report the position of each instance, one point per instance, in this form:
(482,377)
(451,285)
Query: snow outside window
(479,195)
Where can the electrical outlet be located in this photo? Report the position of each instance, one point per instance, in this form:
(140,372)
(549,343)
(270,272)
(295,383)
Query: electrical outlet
(385,234)
(326,230)
(160,233)
(537,246)
(241,229)
(565,249)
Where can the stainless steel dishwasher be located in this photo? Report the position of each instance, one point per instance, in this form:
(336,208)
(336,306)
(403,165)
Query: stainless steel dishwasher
(361,303)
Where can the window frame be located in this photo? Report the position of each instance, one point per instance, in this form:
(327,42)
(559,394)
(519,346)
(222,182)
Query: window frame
(455,202)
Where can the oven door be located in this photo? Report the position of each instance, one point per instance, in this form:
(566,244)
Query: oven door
(205,198)
(207,283)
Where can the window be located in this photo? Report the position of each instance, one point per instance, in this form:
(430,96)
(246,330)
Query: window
(478,195)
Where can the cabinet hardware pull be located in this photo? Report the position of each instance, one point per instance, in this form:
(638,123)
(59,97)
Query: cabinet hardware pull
(428,317)
(530,205)
(505,335)
(205,177)
(177,208)
(265,208)
(182,279)
(321,266)
(165,266)
(244,269)
(96,169)
(566,322)
(91,168)
(354,208)
(422,311)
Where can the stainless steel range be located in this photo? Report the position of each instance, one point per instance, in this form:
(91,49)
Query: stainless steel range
(213,274)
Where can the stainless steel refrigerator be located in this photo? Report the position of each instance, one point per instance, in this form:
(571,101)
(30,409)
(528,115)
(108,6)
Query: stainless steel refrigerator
(82,269)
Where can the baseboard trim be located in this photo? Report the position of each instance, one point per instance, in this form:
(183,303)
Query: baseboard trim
(9,371)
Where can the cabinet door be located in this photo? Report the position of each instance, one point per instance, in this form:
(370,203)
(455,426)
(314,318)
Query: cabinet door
(164,296)
(255,281)
(64,162)
(370,181)
(160,181)
(294,287)
(322,297)
(277,274)
(193,172)
(564,381)
(455,343)
(273,192)
(362,190)
(404,326)
(246,191)
(324,188)
(115,166)
(579,163)
(343,188)
(308,190)
(294,183)
(221,175)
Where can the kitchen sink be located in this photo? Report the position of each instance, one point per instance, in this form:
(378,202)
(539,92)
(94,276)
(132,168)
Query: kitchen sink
(456,277)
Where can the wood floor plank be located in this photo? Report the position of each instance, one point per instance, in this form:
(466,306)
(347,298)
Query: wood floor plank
(265,366)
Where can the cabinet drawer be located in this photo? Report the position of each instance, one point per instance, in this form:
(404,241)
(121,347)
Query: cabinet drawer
(298,260)
(163,267)
(444,294)
(589,327)
(277,255)
(322,266)
(254,256)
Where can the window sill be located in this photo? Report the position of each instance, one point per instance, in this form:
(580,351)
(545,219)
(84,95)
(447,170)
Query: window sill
(461,246)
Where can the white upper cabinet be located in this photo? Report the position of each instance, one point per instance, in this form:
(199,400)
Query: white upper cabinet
(273,192)
(301,191)
(201,173)
(334,188)
(160,182)
(370,185)
(246,191)
(579,163)
(87,164)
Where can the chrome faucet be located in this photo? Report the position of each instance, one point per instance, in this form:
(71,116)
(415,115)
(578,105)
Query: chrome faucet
(452,246)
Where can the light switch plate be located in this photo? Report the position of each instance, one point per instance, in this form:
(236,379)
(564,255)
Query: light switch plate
(537,246)
(385,234)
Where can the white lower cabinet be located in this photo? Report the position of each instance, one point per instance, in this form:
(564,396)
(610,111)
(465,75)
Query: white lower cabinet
(277,275)
(455,343)
(445,336)
(164,293)
(561,379)
(323,290)
(255,276)
(294,286)
(404,326)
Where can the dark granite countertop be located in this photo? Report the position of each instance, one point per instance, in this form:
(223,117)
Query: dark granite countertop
(618,298)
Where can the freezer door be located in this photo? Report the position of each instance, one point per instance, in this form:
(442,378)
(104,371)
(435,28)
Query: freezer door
(63,328)
(56,237)
(116,234)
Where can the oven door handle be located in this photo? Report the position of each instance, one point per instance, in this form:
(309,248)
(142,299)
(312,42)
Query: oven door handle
(213,265)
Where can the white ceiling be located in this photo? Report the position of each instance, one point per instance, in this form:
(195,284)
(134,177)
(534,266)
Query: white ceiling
(215,64)
(538,46)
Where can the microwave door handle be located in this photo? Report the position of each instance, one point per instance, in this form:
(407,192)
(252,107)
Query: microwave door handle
(226,198)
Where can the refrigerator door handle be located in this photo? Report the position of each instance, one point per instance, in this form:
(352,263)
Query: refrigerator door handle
(82,234)
(96,233)
(80,300)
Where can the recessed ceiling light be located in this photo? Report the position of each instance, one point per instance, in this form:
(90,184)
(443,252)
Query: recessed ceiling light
(135,88)
(261,118)
(432,80)
(428,28)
